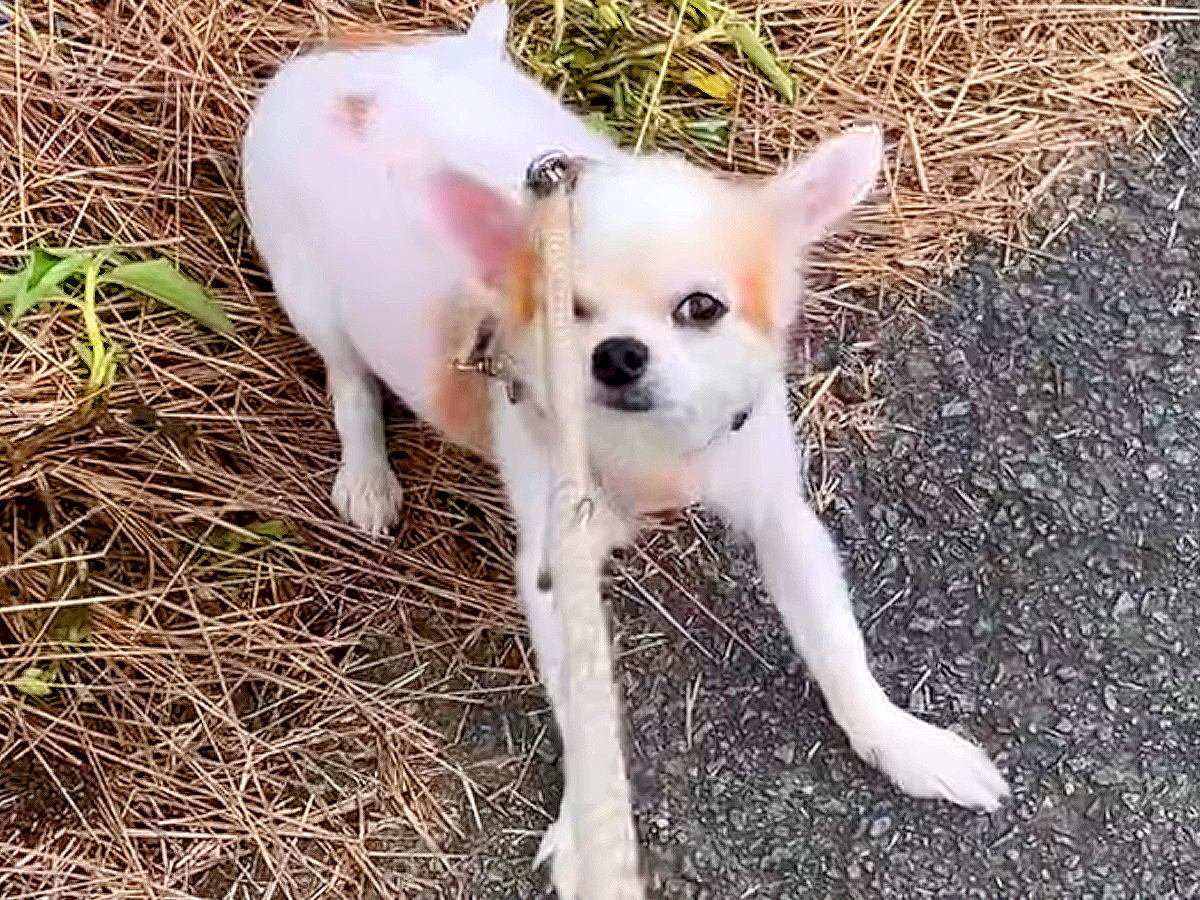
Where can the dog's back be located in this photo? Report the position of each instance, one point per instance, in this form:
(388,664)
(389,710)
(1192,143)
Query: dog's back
(337,161)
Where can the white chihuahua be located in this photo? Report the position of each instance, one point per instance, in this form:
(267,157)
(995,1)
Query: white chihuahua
(383,189)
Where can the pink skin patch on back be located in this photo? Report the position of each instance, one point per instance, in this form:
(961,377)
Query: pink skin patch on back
(354,115)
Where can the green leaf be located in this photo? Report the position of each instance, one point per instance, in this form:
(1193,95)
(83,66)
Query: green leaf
(259,534)
(45,275)
(716,84)
(40,262)
(72,625)
(704,11)
(766,61)
(713,132)
(77,633)
(15,283)
(272,530)
(160,280)
(610,16)
(597,122)
(580,59)
(35,682)
(10,286)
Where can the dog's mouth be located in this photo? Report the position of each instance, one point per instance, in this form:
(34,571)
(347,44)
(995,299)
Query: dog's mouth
(634,399)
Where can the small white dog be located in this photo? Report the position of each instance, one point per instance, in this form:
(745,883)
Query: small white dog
(383,188)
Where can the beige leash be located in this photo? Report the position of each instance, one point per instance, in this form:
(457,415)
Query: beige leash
(598,789)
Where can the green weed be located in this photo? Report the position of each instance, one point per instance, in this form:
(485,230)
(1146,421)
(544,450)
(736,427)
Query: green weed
(81,279)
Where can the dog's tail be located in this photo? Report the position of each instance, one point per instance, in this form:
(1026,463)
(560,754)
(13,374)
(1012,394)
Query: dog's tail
(490,26)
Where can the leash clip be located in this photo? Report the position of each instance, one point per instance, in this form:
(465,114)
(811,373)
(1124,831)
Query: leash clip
(487,365)
(481,360)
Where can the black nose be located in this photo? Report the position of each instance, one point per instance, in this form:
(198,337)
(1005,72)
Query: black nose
(619,362)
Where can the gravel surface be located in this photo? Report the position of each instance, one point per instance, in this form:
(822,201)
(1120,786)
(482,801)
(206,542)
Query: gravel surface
(1024,546)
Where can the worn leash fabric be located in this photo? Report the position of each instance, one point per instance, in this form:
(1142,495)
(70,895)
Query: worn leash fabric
(598,789)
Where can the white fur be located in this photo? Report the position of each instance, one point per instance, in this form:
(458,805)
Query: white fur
(365,258)
(343,225)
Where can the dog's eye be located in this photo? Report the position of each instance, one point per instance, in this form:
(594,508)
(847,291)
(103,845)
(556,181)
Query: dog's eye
(699,309)
(583,312)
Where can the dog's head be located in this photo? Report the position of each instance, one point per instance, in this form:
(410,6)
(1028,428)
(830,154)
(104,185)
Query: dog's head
(684,284)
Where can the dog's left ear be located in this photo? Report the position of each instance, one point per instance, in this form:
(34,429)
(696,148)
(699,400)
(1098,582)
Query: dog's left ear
(816,194)
(490,25)
(488,226)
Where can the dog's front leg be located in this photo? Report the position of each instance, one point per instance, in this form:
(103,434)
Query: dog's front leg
(525,465)
(754,481)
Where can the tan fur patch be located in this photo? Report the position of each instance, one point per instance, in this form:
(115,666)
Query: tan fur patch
(658,493)
(461,400)
(355,113)
(461,408)
(756,286)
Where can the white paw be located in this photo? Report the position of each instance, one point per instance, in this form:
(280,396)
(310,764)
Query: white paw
(926,761)
(367,498)
(558,846)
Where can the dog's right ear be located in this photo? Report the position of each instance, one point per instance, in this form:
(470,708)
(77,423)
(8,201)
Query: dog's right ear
(489,227)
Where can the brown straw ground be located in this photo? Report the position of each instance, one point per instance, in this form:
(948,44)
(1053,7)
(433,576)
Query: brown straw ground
(239,698)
